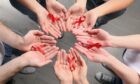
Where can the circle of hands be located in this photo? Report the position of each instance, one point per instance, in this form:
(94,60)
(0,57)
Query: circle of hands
(41,46)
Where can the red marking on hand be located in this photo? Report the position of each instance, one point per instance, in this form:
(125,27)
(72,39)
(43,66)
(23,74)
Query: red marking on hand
(53,19)
(71,62)
(91,45)
(97,45)
(38,48)
(80,20)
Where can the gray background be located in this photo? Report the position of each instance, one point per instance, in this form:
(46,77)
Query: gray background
(127,24)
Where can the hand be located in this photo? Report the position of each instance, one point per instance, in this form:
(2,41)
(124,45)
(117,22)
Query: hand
(46,24)
(35,37)
(54,7)
(77,9)
(100,36)
(74,12)
(35,59)
(98,55)
(62,69)
(79,32)
(90,19)
(80,72)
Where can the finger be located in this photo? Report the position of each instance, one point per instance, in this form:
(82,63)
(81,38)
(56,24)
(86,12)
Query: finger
(61,57)
(37,32)
(73,54)
(65,57)
(68,14)
(70,25)
(84,41)
(64,10)
(81,60)
(52,54)
(53,33)
(93,31)
(46,37)
(63,25)
(43,26)
(57,31)
(58,56)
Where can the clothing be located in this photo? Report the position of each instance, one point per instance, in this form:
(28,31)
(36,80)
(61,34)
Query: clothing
(132,59)
(104,19)
(26,10)
(2,52)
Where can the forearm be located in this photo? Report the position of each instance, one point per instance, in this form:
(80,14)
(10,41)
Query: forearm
(32,5)
(82,2)
(10,38)
(111,6)
(10,69)
(128,75)
(130,41)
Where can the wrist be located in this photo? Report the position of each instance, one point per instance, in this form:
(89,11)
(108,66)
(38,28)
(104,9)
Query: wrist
(66,82)
(109,60)
(22,62)
(84,81)
(41,11)
(82,3)
(95,13)
(114,41)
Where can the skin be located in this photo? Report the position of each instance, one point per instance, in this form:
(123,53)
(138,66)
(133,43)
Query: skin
(128,75)
(31,58)
(24,43)
(62,67)
(58,10)
(77,9)
(42,15)
(108,7)
(80,73)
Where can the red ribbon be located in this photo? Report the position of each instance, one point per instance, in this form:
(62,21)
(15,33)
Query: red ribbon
(71,62)
(80,20)
(97,45)
(53,19)
(38,48)
(91,45)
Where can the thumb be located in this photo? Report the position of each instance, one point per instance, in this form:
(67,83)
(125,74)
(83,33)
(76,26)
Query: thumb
(47,62)
(93,31)
(38,33)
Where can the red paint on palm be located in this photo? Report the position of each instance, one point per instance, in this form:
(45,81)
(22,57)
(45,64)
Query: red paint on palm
(91,45)
(53,19)
(71,62)
(97,45)
(38,48)
(80,20)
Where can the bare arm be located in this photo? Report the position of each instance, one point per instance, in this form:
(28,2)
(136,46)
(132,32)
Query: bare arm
(11,68)
(128,75)
(81,1)
(11,38)
(111,6)
(130,41)
(32,5)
